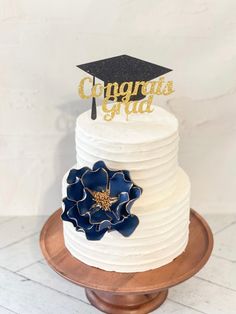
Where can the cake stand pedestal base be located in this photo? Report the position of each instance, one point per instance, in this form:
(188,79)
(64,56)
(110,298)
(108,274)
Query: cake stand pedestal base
(127,303)
(127,293)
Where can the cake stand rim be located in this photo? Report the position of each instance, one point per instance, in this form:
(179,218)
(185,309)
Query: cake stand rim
(142,289)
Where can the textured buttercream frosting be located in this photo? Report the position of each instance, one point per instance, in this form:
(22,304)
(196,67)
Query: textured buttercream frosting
(147,146)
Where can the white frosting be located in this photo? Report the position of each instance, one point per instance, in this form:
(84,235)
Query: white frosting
(147,146)
(143,128)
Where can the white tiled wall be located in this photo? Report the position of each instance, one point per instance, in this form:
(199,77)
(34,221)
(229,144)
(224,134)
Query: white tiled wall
(42,41)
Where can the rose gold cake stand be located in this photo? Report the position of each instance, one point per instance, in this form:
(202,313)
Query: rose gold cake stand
(127,293)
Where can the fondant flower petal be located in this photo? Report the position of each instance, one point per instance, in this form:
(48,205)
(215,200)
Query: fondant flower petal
(94,234)
(119,184)
(93,210)
(85,204)
(98,217)
(104,225)
(75,192)
(112,217)
(127,175)
(67,203)
(135,193)
(65,217)
(76,174)
(101,164)
(96,180)
(116,207)
(127,227)
(84,222)
(81,221)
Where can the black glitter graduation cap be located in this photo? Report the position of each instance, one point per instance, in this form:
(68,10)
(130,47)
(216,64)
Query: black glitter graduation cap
(122,69)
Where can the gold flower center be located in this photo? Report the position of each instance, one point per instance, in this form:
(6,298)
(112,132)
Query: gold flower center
(103,199)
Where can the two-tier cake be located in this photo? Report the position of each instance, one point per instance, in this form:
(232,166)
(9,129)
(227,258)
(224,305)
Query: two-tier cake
(149,225)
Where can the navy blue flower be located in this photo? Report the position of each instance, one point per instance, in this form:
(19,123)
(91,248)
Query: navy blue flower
(100,200)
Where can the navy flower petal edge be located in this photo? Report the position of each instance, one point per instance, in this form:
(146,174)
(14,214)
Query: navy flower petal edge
(101,164)
(99,200)
(85,203)
(76,174)
(93,234)
(119,184)
(116,208)
(135,193)
(75,191)
(81,221)
(128,226)
(95,180)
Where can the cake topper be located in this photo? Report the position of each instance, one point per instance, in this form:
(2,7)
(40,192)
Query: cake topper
(127,80)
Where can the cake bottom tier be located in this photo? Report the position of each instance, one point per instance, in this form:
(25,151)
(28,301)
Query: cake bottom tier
(162,235)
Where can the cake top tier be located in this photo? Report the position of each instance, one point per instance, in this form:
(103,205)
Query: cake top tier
(140,128)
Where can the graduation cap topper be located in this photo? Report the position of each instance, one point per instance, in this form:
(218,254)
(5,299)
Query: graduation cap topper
(126,80)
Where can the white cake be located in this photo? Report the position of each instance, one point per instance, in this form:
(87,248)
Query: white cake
(147,146)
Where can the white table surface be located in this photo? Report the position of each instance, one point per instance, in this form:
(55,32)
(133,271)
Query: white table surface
(28,285)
